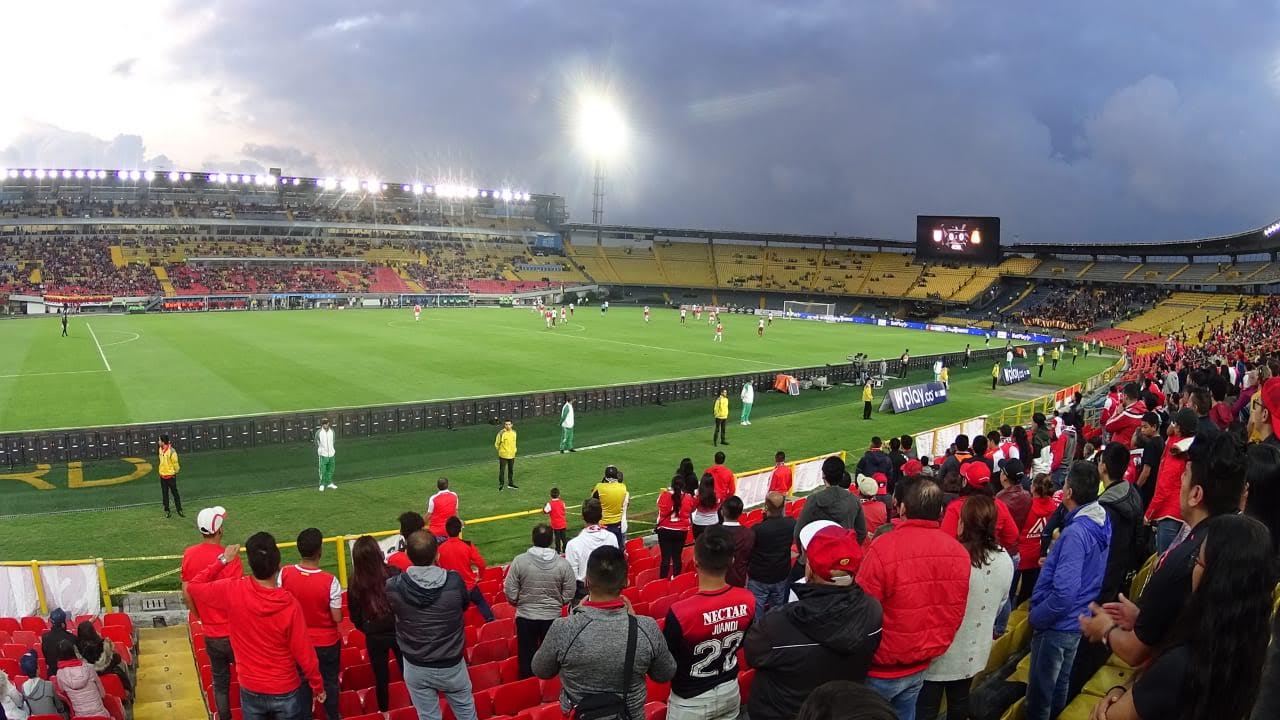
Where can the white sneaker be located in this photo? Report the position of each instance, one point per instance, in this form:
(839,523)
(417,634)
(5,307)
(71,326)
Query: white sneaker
(332,486)
(321,488)
(743,423)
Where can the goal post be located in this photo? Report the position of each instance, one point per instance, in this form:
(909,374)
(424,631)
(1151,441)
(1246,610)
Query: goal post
(793,308)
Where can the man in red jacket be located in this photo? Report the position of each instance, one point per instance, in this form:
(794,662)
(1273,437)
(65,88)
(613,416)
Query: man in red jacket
(268,632)
(1124,422)
(465,559)
(217,636)
(726,483)
(320,597)
(920,575)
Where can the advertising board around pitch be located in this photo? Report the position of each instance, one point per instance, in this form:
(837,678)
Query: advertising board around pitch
(1015,374)
(914,397)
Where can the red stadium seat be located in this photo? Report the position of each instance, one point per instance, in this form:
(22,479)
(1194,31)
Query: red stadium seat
(548,712)
(634,544)
(484,705)
(366,716)
(350,704)
(745,679)
(45,717)
(645,577)
(114,706)
(497,630)
(9,624)
(485,676)
(352,656)
(111,683)
(658,608)
(4,637)
(12,651)
(684,581)
(655,711)
(510,669)
(640,608)
(511,698)
(654,590)
(118,619)
(37,625)
(655,691)
(494,572)
(357,677)
(503,611)
(9,666)
(404,713)
(126,656)
(472,617)
(119,635)
(25,637)
(491,651)
(355,638)
(470,635)
(397,696)
(490,588)
(551,690)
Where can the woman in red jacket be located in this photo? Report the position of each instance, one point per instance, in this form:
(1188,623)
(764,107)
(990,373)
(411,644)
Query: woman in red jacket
(977,481)
(1043,503)
(675,505)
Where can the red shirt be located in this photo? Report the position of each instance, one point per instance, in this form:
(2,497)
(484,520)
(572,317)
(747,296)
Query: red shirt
(316,591)
(1006,529)
(780,480)
(555,510)
(675,518)
(704,632)
(399,560)
(461,557)
(1033,530)
(440,507)
(726,483)
(197,558)
(1166,501)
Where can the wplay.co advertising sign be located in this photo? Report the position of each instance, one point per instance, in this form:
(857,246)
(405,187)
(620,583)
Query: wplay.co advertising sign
(1015,374)
(914,397)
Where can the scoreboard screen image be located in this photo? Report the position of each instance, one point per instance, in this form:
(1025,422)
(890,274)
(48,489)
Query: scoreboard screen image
(976,239)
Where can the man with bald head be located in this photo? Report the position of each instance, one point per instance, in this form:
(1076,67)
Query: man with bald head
(770,563)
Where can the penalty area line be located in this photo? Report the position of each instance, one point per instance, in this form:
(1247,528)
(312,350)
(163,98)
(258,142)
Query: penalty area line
(95,342)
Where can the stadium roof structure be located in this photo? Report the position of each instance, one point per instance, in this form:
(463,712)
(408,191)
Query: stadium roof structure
(660,233)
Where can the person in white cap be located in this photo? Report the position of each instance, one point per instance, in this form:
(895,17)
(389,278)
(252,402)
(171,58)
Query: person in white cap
(326,452)
(217,633)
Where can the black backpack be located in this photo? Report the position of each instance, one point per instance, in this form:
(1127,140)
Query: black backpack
(611,706)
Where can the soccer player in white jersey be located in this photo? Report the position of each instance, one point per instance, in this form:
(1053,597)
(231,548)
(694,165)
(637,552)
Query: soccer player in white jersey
(646,313)
(760,327)
(682,314)
(563,316)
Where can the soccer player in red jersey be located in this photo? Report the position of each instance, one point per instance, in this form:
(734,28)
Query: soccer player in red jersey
(704,631)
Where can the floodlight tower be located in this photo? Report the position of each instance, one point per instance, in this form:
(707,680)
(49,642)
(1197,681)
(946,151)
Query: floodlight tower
(602,135)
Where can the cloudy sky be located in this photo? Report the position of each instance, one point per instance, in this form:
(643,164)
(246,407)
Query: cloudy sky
(1074,121)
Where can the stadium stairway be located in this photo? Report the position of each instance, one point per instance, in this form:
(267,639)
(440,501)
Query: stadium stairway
(168,686)
(162,276)
(117,256)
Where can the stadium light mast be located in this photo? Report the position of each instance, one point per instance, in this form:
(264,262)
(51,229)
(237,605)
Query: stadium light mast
(602,135)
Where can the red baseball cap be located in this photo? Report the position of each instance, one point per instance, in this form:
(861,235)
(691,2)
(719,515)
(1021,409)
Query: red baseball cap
(976,474)
(882,483)
(832,550)
(912,467)
(1271,398)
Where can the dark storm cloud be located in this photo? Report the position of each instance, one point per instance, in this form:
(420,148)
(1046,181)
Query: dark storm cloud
(1074,121)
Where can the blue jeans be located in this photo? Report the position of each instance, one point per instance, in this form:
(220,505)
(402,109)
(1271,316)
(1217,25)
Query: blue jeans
(1053,652)
(477,599)
(1166,532)
(427,684)
(1002,617)
(768,595)
(901,693)
(256,706)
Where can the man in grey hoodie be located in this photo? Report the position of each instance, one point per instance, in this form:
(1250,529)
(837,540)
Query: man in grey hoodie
(428,603)
(587,649)
(539,584)
(833,502)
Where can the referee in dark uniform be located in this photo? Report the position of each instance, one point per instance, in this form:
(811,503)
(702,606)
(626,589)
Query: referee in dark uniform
(64,323)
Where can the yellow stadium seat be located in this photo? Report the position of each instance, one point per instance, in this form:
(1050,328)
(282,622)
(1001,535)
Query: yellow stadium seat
(1021,635)
(1140,579)
(1022,673)
(1001,650)
(1080,708)
(1016,711)
(1106,678)
(1115,662)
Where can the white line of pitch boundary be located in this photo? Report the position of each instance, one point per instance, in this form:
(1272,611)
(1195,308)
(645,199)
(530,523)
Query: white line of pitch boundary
(658,347)
(57,372)
(95,342)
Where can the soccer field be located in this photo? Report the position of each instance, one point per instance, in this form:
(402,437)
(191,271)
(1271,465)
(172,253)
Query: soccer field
(146,368)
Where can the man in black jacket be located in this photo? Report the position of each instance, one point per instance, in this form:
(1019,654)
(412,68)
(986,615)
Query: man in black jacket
(57,633)
(874,460)
(429,603)
(829,633)
(770,561)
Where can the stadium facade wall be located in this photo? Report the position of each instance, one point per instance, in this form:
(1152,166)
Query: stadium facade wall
(230,433)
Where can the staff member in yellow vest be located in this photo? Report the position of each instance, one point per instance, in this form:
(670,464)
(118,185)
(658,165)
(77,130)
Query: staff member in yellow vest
(614,498)
(721,412)
(168,468)
(866,400)
(505,444)
(946,377)
(995,375)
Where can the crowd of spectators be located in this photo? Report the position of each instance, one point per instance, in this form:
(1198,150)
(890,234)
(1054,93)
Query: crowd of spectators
(1081,308)
(71,266)
(273,277)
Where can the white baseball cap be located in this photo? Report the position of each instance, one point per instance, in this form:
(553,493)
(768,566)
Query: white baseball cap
(209,521)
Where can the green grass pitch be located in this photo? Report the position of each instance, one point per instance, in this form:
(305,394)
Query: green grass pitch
(273,488)
(128,369)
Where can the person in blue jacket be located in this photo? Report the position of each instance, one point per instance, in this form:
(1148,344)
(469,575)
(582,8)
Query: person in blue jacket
(1070,579)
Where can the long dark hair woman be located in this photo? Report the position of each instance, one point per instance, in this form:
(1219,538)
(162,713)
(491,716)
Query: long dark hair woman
(675,506)
(1024,444)
(371,611)
(1210,668)
(101,653)
(707,511)
(688,476)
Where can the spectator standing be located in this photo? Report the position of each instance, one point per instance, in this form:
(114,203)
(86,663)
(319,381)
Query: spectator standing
(675,506)
(830,632)
(707,512)
(874,508)
(977,481)
(748,398)
(371,612)
(868,394)
(505,444)
(539,584)
(440,507)
(990,575)
(464,558)
(1124,511)
(907,447)
(1070,578)
(770,561)
(613,496)
(833,502)
(591,537)
(584,648)
(327,456)
(1261,423)
(720,413)
(705,686)
(268,631)
(726,482)
(168,469)
(743,541)
(1211,667)
(920,576)
(896,459)
(1124,423)
(781,479)
(1164,511)
(50,641)
(428,603)
(320,597)
(556,514)
(217,635)
(78,680)
(410,523)
(1148,446)
(874,460)
(1013,495)
(566,426)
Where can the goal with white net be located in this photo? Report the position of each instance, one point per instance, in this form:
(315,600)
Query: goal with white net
(794,308)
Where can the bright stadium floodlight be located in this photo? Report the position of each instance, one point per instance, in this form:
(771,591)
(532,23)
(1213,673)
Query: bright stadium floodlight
(149,175)
(135,175)
(220,178)
(601,130)
(417,188)
(373,185)
(350,184)
(102,174)
(472,192)
(40,174)
(27,174)
(430,189)
(186,177)
(13,174)
(173,177)
(297,181)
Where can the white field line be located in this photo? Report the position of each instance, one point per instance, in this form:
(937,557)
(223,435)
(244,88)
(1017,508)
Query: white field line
(58,372)
(95,342)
